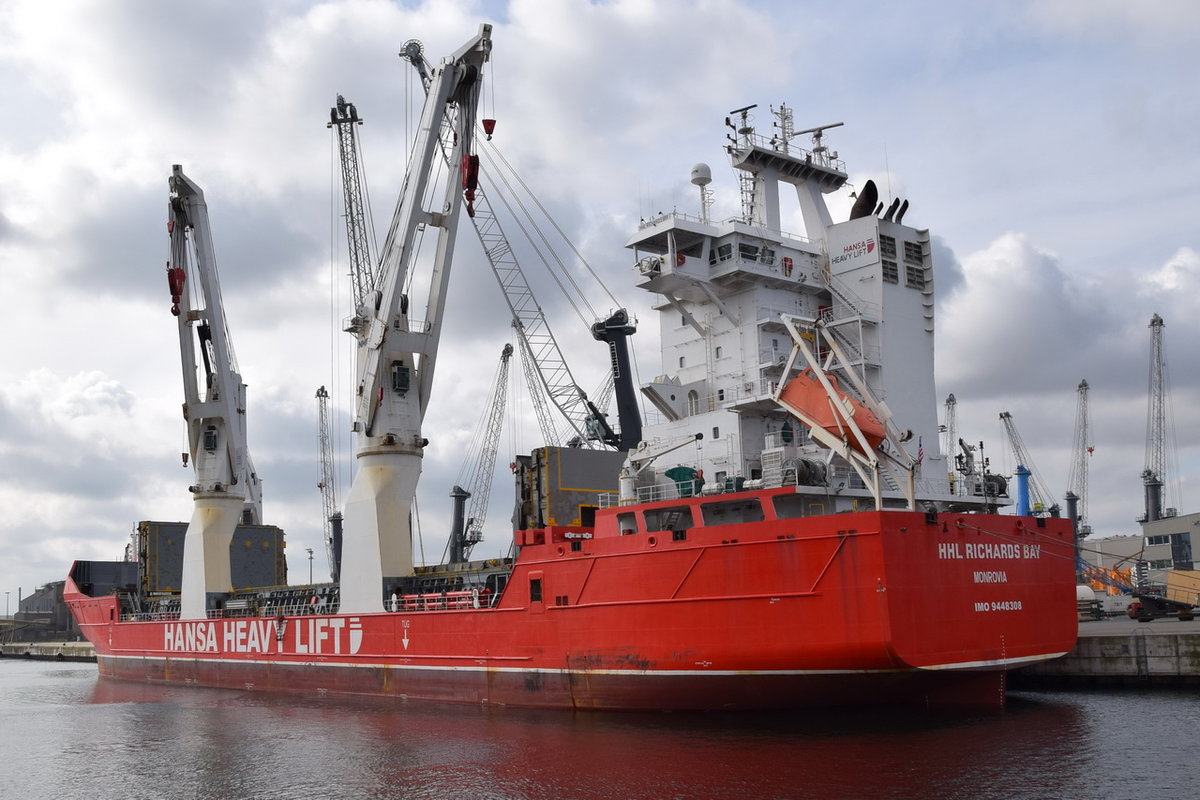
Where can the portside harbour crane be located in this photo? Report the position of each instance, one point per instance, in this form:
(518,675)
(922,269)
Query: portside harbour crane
(478,469)
(227,489)
(331,517)
(1081,453)
(1038,494)
(1158,435)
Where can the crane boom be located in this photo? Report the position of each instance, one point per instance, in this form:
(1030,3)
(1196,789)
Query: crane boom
(393,386)
(1037,487)
(227,488)
(481,464)
(363,273)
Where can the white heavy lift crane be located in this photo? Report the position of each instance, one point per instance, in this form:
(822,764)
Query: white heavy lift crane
(227,490)
(397,354)
(1038,494)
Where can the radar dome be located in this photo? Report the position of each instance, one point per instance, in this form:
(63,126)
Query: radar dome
(701,175)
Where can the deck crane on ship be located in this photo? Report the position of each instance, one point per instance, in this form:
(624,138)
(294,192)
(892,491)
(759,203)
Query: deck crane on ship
(397,354)
(227,489)
(545,367)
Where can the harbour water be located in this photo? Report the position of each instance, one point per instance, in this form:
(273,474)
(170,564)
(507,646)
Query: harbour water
(66,733)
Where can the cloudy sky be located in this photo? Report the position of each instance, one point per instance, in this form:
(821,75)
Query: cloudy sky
(1049,146)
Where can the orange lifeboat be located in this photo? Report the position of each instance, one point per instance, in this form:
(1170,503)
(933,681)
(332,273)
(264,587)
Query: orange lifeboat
(806,394)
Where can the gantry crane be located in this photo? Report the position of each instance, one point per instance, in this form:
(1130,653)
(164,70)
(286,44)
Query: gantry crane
(331,517)
(478,467)
(397,354)
(1038,493)
(227,489)
(1081,452)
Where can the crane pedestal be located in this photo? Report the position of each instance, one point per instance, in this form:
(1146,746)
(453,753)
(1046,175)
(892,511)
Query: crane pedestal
(206,551)
(377,535)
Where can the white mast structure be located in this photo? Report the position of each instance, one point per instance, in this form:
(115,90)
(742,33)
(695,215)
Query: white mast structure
(227,489)
(393,386)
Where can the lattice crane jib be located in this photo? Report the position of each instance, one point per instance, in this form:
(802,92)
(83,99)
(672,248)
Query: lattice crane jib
(1038,492)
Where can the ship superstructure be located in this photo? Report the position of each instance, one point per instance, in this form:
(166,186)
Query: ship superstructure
(725,287)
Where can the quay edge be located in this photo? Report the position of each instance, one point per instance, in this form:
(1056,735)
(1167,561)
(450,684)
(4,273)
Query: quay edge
(49,651)
(1122,653)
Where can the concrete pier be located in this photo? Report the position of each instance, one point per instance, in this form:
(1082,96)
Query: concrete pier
(51,651)
(1120,652)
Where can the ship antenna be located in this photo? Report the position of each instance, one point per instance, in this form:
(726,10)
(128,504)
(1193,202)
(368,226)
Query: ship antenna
(786,132)
(821,154)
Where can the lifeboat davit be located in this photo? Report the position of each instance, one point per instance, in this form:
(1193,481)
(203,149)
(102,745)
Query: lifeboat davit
(806,394)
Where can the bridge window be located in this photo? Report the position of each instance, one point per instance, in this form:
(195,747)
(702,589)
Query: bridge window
(748,252)
(627,523)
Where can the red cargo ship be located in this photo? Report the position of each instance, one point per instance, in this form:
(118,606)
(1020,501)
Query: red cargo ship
(828,559)
(846,609)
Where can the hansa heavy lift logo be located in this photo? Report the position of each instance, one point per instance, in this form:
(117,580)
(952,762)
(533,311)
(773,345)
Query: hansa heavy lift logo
(854,250)
(315,635)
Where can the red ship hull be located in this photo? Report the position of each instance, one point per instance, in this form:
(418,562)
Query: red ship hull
(862,608)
